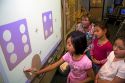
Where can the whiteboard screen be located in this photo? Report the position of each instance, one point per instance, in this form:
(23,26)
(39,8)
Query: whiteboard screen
(30,30)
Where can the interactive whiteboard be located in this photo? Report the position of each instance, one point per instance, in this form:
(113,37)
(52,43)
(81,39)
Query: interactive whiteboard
(30,30)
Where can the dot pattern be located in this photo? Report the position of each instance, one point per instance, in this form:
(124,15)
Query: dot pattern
(15,42)
(47,24)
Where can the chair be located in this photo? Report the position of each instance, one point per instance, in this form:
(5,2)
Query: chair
(108,13)
(112,14)
(121,28)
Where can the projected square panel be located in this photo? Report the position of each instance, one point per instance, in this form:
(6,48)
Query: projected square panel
(15,42)
(47,24)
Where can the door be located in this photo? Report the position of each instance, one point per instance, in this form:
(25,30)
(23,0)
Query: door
(96,9)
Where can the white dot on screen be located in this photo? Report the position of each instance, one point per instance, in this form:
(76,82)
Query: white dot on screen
(46,33)
(22,28)
(44,19)
(26,48)
(51,29)
(10,47)
(13,58)
(7,35)
(50,16)
(24,39)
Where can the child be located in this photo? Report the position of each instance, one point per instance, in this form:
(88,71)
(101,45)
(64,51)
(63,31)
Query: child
(85,24)
(88,28)
(80,65)
(113,71)
(101,46)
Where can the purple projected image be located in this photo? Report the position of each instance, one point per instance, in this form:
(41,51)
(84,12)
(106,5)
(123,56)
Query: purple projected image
(47,24)
(15,42)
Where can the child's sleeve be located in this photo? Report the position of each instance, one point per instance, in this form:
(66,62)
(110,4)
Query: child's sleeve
(121,72)
(109,48)
(66,57)
(110,54)
(88,64)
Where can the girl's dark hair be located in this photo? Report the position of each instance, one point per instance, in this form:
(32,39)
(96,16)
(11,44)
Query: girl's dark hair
(79,41)
(121,37)
(103,26)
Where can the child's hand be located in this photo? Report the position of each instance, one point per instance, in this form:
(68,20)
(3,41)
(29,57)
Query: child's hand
(37,73)
(32,70)
(27,70)
(92,58)
(95,61)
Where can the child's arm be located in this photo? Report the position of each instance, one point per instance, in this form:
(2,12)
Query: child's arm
(104,81)
(118,80)
(96,78)
(50,67)
(90,75)
(99,61)
(94,60)
(115,80)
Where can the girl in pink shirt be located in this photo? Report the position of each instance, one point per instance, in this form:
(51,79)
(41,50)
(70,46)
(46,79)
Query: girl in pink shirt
(101,46)
(80,65)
